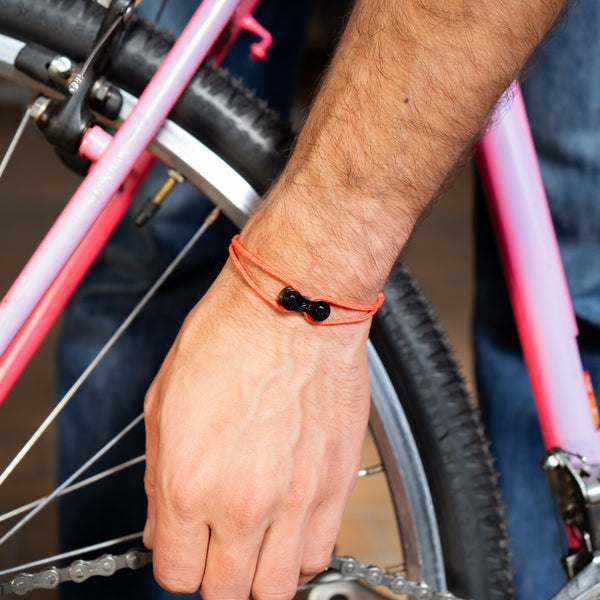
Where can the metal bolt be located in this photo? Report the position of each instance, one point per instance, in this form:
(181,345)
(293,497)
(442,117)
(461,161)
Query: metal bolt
(101,90)
(61,66)
(551,463)
(38,107)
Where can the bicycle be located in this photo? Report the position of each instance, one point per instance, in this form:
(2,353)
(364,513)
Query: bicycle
(440,532)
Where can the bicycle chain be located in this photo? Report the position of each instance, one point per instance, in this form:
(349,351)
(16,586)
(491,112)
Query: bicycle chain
(78,571)
(108,564)
(373,576)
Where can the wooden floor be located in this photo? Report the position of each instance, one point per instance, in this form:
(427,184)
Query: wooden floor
(31,194)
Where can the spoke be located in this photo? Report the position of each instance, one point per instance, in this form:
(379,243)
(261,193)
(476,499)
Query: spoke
(369,471)
(72,478)
(159,13)
(15,140)
(27,507)
(111,342)
(72,553)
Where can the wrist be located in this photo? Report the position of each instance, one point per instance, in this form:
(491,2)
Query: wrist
(260,276)
(236,306)
(326,254)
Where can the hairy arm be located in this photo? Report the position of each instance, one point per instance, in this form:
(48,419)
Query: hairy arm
(256,419)
(406,95)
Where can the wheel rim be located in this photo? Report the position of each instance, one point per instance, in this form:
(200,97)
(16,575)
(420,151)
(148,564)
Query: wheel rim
(173,145)
(406,479)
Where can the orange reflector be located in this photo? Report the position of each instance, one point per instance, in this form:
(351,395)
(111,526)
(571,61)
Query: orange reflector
(591,398)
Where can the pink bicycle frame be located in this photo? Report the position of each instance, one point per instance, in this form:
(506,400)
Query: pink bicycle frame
(536,281)
(67,251)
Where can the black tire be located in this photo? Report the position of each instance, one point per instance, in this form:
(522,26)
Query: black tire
(228,118)
(451,441)
(426,384)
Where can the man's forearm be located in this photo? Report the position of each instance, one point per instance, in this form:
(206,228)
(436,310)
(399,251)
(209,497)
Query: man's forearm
(408,90)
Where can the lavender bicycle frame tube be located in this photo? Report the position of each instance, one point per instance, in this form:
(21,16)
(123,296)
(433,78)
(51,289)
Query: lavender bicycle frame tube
(114,165)
(536,280)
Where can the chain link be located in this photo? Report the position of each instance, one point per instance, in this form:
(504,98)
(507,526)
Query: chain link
(78,571)
(373,576)
(108,564)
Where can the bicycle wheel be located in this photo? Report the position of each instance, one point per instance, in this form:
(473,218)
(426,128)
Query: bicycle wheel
(429,440)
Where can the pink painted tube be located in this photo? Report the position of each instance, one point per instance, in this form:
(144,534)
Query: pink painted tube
(113,166)
(242,21)
(536,280)
(29,337)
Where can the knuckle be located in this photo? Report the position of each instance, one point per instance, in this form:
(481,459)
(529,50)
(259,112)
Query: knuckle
(247,516)
(302,492)
(179,492)
(183,499)
(244,521)
(314,566)
(316,561)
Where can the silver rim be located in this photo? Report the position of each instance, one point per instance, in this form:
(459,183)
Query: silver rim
(406,479)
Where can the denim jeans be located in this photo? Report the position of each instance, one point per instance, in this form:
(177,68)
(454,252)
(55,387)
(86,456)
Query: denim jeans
(562,96)
(126,268)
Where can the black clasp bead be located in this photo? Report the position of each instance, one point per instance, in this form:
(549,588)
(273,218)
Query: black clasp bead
(292,299)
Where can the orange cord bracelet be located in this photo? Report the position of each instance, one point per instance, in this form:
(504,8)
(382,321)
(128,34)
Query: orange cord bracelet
(316,309)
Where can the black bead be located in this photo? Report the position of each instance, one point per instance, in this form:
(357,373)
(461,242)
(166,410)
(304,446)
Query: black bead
(292,299)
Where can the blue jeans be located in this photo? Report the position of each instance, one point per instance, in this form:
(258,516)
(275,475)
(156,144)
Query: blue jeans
(126,268)
(563,103)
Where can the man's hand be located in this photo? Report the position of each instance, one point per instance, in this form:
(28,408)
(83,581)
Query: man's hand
(254,428)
